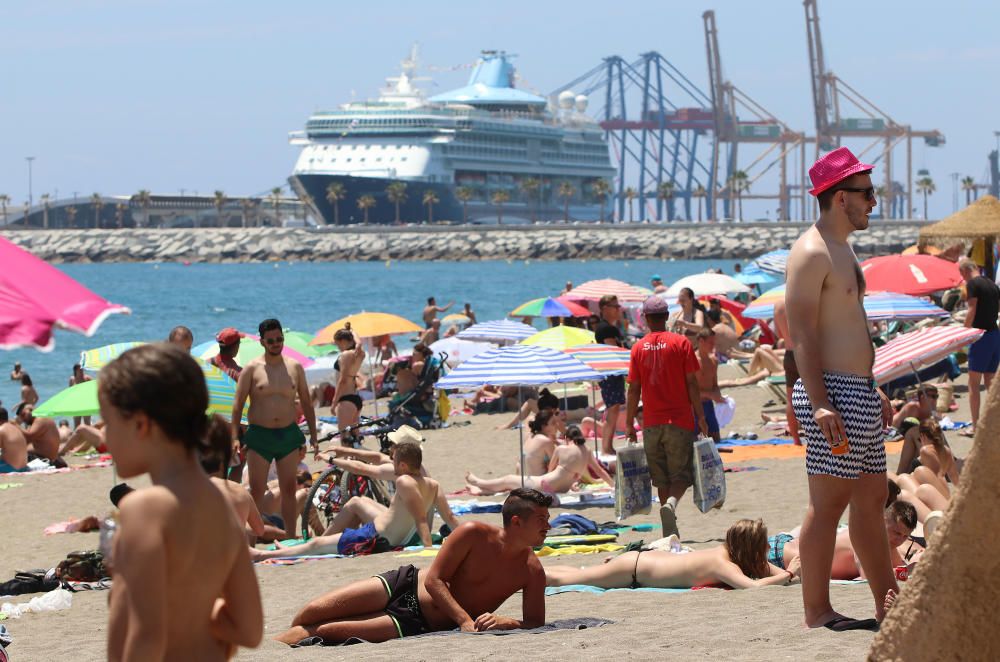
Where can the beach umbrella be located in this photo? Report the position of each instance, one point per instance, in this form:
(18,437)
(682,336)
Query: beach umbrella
(550,307)
(499,331)
(367,325)
(250,349)
(95,359)
(754,276)
(762,308)
(918,349)
(77,400)
(605,359)
(560,337)
(456,318)
(299,341)
(459,349)
(705,285)
(773,262)
(593,290)
(221,391)
(35,297)
(893,306)
(910,274)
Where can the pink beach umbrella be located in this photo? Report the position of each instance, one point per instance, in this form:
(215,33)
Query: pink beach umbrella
(918,349)
(593,290)
(35,297)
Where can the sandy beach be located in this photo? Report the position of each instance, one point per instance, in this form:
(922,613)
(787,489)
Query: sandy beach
(740,625)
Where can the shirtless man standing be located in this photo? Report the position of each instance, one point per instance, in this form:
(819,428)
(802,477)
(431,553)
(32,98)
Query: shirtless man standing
(432,309)
(478,568)
(363,520)
(708,381)
(13,446)
(42,435)
(272,382)
(840,410)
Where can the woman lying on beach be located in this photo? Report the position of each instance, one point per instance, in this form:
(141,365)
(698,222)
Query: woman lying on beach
(568,465)
(184,588)
(741,562)
(931,465)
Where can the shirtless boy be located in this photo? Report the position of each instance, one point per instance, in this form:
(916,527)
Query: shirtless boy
(708,380)
(478,568)
(363,520)
(840,411)
(272,382)
(13,446)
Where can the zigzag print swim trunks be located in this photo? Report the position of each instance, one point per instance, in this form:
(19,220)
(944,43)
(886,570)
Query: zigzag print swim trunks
(860,407)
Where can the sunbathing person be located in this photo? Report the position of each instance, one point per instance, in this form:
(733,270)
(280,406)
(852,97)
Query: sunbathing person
(741,562)
(527,401)
(85,438)
(363,521)
(900,520)
(569,463)
(921,407)
(478,568)
(764,362)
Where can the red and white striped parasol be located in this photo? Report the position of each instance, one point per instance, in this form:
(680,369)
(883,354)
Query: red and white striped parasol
(593,290)
(919,349)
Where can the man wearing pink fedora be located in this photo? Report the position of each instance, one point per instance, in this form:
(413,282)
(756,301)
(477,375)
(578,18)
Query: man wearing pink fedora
(840,410)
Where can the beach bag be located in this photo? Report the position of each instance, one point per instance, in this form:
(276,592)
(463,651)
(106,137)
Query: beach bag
(709,476)
(633,491)
(82,567)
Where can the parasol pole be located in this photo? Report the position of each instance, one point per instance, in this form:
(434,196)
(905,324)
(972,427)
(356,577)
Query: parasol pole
(371,372)
(520,432)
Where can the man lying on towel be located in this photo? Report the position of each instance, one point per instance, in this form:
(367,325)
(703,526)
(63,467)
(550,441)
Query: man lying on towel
(478,568)
(363,523)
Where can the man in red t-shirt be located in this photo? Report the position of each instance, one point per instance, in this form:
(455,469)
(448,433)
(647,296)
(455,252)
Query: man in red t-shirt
(229,347)
(663,372)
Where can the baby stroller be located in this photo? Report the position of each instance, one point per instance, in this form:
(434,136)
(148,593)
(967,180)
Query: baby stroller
(419,408)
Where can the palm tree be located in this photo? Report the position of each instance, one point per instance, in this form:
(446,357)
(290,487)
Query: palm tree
(365,203)
(396,192)
(630,195)
(275,198)
(334,194)
(143,199)
(739,183)
(4,201)
(530,186)
(969,186)
(247,206)
(464,194)
(566,191)
(219,200)
(308,204)
(71,216)
(430,199)
(98,204)
(498,198)
(699,193)
(925,186)
(120,215)
(45,210)
(664,192)
(880,192)
(600,189)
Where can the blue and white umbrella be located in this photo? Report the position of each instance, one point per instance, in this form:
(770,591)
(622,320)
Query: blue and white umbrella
(773,262)
(519,365)
(754,275)
(894,306)
(498,331)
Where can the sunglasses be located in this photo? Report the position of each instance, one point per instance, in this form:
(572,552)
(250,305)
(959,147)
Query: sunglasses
(275,341)
(869,191)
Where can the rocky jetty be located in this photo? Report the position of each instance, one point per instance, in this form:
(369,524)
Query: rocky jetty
(569,242)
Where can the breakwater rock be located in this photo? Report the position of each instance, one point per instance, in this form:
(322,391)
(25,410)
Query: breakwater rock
(468,243)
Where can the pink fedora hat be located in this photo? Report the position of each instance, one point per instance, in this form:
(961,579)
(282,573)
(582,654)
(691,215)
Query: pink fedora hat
(833,168)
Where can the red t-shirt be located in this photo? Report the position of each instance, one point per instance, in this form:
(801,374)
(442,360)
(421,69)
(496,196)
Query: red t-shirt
(660,364)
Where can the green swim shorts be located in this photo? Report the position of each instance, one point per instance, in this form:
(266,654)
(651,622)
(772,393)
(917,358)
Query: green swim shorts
(273,443)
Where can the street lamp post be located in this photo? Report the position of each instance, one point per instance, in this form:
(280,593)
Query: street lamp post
(31,199)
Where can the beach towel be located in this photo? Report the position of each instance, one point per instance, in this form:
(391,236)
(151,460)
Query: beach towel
(785,452)
(775,441)
(585,588)
(295,560)
(545,550)
(8,486)
(573,524)
(565,624)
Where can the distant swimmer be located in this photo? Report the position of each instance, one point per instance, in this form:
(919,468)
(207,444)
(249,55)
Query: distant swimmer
(432,309)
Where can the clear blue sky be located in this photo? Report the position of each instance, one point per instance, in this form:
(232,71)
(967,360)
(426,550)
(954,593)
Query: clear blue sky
(114,95)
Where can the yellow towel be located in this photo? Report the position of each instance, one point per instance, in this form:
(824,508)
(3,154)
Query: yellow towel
(544,551)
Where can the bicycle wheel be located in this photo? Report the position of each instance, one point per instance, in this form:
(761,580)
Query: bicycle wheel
(324,501)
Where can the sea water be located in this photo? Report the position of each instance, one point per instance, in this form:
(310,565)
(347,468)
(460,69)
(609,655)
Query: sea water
(306,296)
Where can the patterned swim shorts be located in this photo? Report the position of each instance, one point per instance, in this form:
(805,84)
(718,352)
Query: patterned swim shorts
(860,406)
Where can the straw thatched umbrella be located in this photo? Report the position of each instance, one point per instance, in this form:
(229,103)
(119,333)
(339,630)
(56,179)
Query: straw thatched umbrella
(980,220)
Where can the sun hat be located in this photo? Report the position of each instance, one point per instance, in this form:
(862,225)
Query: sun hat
(834,168)
(405,433)
(228,336)
(655,305)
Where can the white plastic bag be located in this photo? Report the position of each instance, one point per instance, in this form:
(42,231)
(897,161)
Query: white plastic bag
(56,600)
(633,491)
(709,476)
(724,411)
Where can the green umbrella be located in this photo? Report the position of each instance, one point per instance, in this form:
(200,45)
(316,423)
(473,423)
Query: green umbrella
(299,341)
(77,400)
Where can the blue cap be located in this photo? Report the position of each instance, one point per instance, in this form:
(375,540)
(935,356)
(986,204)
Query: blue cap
(656,277)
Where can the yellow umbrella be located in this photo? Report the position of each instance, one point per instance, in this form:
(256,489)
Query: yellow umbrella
(367,325)
(455,318)
(561,337)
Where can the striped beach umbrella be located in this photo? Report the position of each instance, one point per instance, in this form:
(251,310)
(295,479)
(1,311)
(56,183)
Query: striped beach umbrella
(458,349)
(221,391)
(773,262)
(560,337)
(593,290)
(518,365)
(95,359)
(762,308)
(918,349)
(605,359)
(499,331)
(894,306)
(550,307)
(753,275)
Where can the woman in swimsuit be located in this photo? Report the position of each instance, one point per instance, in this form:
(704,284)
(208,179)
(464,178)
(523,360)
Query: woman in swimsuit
(741,562)
(539,449)
(932,466)
(567,466)
(348,365)
(691,318)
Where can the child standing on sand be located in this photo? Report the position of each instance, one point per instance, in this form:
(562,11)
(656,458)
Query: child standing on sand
(184,587)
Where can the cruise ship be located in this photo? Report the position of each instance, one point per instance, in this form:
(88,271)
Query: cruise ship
(484,153)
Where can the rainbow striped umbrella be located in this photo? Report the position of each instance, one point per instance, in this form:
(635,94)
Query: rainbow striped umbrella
(95,359)
(762,308)
(918,349)
(605,359)
(560,337)
(550,307)
(221,391)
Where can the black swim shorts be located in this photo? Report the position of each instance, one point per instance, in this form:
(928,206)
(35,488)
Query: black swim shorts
(403,606)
